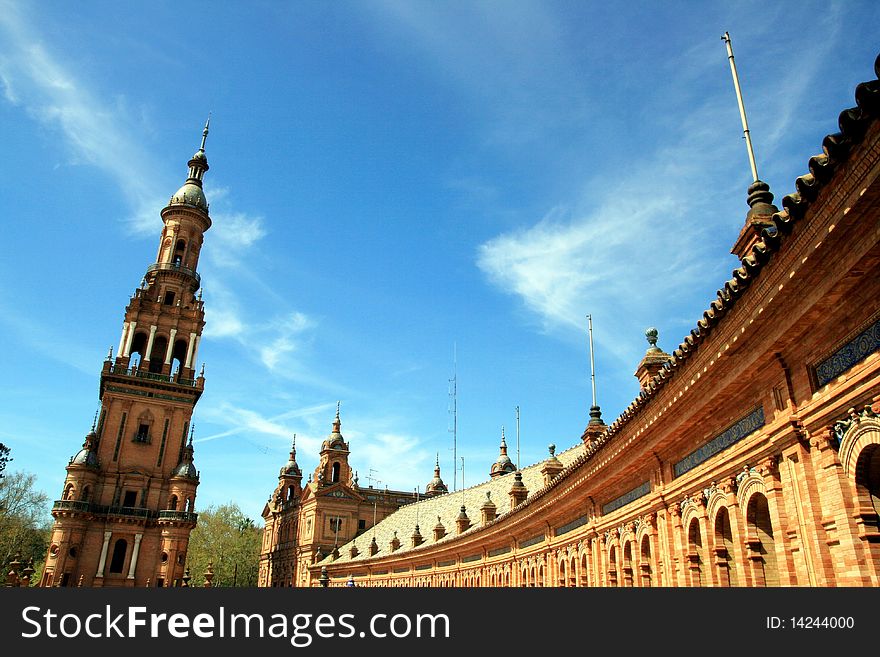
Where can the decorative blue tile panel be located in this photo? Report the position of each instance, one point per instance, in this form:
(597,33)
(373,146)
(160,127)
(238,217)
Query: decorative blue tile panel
(574,524)
(471,557)
(534,540)
(852,353)
(735,432)
(626,498)
(497,552)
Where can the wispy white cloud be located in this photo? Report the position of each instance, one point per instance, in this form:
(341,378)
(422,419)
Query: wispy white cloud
(99,128)
(274,341)
(95,129)
(241,420)
(623,251)
(620,259)
(287,331)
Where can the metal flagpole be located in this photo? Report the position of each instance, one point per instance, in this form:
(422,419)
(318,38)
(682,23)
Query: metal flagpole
(742,109)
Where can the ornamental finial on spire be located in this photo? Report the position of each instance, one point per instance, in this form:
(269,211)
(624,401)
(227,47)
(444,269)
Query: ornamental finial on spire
(205,133)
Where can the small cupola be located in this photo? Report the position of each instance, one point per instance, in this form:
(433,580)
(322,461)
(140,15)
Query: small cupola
(291,469)
(87,455)
(436,486)
(503,465)
(185,468)
(439,529)
(191,193)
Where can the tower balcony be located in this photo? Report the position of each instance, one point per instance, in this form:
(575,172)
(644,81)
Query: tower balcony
(73,507)
(192,275)
(131,513)
(177,516)
(135,372)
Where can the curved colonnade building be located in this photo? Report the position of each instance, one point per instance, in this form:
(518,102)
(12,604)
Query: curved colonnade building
(750,458)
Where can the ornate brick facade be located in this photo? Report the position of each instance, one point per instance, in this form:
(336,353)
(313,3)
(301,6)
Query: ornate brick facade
(303,524)
(750,458)
(128,502)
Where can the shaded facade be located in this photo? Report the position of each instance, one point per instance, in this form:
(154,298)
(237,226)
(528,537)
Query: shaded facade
(128,502)
(751,457)
(305,523)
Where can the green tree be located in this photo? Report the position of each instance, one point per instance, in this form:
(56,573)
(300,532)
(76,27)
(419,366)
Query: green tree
(4,458)
(226,537)
(25,525)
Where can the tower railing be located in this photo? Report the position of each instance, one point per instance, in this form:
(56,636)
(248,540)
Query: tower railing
(152,376)
(174,267)
(184,516)
(126,511)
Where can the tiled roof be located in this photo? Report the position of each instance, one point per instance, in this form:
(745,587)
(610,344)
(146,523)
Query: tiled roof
(448,506)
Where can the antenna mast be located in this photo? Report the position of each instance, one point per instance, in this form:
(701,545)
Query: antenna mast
(454,393)
(742,109)
(517,437)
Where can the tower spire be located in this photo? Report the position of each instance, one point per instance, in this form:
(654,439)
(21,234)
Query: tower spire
(205,134)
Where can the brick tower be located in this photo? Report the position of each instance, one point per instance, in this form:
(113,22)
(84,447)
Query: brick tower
(128,503)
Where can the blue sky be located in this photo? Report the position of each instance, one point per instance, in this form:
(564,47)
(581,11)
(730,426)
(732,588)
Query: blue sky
(391,183)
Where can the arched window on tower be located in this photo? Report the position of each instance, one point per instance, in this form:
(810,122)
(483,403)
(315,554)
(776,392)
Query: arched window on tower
(138,347)
(86,494)
(178,356)
(118,560)
(334,476)
(179,250)
(172,503)
(157,354)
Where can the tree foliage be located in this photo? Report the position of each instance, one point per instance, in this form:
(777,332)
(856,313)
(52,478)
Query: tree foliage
(226,537)
(4,458)
(25,525)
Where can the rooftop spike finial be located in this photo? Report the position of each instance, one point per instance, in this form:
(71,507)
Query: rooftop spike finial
(95,420)
(337,410)
(205,133)
(192,430)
